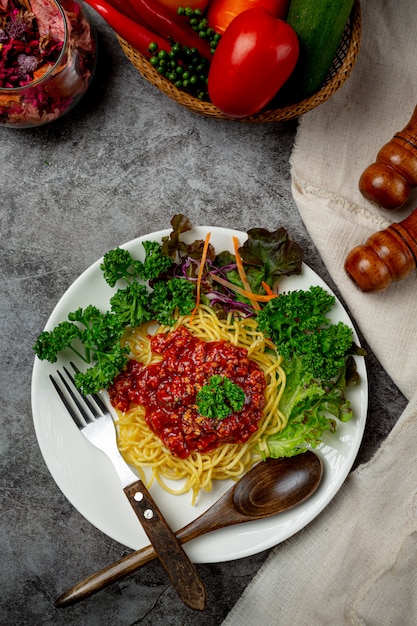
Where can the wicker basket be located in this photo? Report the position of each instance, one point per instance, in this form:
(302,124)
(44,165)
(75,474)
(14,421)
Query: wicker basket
(340,70)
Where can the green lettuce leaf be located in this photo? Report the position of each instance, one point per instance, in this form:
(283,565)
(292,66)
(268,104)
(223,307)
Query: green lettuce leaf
(311,406)
(267,256)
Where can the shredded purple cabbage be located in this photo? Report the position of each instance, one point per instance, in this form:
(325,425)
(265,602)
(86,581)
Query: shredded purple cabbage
(223,297)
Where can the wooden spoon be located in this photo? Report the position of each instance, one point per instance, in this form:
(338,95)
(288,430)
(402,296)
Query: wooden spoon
(270,487)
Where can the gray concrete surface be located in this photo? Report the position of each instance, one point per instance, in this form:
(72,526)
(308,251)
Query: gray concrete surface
(118,166)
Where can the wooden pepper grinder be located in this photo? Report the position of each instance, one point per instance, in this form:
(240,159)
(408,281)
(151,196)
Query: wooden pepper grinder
(387,256)
(389,181)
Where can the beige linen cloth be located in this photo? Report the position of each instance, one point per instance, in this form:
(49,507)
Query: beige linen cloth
(356,563)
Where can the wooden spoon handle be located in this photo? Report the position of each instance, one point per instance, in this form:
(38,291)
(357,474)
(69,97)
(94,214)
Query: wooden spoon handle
(387,256)
(106,576)
(213,519)
(389,181)
(268,488)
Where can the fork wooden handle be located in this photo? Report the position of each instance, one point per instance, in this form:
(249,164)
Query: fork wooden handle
(126,565)
(176,563)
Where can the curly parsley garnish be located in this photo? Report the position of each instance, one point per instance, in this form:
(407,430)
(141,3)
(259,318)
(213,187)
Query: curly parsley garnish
(95,336)
(220,398)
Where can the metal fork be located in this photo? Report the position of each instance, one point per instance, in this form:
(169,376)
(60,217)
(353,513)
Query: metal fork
(95,422)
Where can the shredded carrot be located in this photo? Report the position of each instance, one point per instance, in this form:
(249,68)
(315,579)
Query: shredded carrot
(268,289)
(200,275)
(254,297)
(241,271)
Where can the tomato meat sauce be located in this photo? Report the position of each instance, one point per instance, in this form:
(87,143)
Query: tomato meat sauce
(168,388)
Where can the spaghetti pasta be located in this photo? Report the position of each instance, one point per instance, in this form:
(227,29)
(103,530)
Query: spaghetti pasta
(142,448)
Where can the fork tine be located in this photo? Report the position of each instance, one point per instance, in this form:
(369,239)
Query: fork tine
(76,397)
(79,397)
(64,399)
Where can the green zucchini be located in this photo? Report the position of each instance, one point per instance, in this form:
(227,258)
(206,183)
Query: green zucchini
(319,25)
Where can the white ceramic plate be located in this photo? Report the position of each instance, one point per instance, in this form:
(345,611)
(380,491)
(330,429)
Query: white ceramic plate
(87,479)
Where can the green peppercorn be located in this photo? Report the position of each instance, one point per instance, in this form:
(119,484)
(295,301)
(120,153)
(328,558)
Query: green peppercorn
(185,67)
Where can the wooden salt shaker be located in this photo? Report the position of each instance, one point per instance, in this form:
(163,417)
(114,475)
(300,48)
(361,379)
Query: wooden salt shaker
(389,181)
(387,256)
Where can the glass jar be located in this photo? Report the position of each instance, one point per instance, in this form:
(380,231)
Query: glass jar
(46,62)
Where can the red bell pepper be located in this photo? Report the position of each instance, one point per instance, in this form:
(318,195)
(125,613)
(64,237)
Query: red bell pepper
(221,12)
(254,58)
(136,35)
